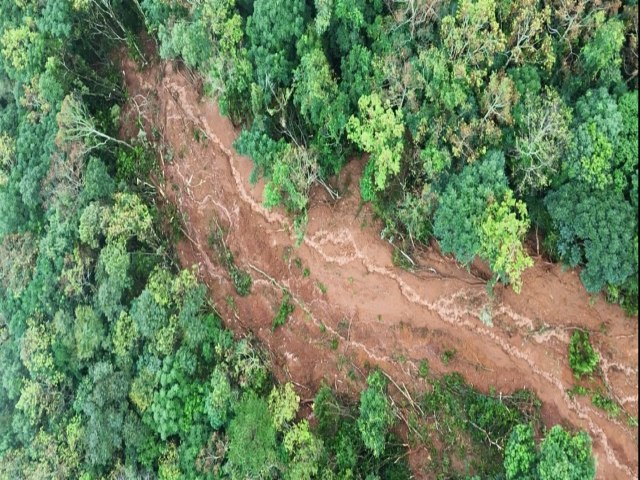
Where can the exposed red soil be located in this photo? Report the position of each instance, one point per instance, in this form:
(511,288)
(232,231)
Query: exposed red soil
(379,314)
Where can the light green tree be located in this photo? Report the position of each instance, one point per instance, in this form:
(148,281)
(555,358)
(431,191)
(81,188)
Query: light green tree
(283,405)
(304,450)
(566,457)
(7,157)
(379,130)
(520,454)
(252,431)
(376,415)
(474,34)
(503,229)
(88,331)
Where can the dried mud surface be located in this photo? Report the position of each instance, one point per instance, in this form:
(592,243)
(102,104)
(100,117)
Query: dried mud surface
(371,312)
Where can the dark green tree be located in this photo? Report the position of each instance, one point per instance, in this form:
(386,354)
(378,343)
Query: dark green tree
(596,228)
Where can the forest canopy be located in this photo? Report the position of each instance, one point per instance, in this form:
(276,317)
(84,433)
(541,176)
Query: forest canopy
(480,120)
(114,362)
(434,92)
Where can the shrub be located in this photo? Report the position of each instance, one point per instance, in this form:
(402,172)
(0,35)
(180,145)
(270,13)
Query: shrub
(286,309)
(583,359)
(566,457)
(520,453)
(606,403)
(561,456)
(241,281)
(135,163)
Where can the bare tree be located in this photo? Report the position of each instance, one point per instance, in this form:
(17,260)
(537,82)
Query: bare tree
(7,157)
(528,38)
(541,140)
(415,13)
(498,97)
(105,22)
(76,126)
(18,254)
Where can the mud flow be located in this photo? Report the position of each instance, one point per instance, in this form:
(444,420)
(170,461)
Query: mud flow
(353,308)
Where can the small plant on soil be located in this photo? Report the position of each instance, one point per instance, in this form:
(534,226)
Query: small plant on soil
(286,308)
(322,287)
(486,315)
(583,359)
(306,272)
(343,325)
(242,281)
(400,358)
(447,356)
(199,135)
(231,302)
(334,343)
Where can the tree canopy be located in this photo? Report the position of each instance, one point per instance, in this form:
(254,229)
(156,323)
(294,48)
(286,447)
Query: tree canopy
(427,90)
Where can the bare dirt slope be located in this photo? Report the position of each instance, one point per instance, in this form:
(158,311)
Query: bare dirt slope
(355,308)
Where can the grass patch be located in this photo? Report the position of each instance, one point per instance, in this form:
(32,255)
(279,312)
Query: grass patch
(199,135)
(606,403)
(286,254)
(578,390)
(231,302)
(423,368)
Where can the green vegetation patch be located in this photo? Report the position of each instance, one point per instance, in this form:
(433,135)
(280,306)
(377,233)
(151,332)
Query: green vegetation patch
(480,120)
(285,309)
(583,359)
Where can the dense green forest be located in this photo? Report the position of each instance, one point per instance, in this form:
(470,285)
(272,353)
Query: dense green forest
(113,363)
(482,120)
